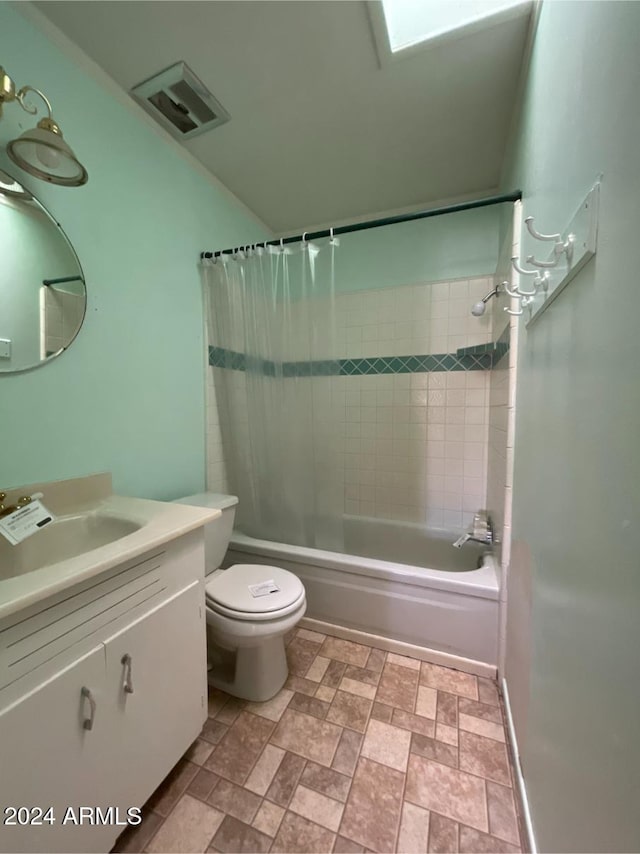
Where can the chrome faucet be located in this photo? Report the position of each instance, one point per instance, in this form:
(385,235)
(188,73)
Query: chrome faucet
(481,522)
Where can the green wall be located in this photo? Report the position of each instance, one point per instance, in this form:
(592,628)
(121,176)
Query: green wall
(128,396)
(576,516)
(429,250)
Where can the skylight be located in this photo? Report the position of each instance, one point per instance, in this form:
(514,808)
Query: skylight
(413,22)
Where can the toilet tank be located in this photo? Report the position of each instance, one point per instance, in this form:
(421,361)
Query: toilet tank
(217,533)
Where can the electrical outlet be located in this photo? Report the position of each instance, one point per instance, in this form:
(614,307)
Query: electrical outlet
(5,348)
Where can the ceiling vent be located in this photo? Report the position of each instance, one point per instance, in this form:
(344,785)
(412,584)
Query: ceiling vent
(180,102)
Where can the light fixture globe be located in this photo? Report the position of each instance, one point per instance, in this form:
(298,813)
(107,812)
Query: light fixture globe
(43,152)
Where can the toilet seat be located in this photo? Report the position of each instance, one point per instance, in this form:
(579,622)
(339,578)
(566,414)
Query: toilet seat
(233,592)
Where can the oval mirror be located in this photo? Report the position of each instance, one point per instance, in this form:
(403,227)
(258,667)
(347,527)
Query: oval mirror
(42,289)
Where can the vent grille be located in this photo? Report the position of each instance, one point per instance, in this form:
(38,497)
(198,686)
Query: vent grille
(180,102)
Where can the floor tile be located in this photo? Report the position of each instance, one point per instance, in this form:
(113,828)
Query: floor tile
(387,744)
(447,734)
(235,836)
(235,801)
(317,807)
(430,748)
(443,834)
(334,673)
(447,708)
(345,651)
(403,661)
(236,754)
(376,660)
(286,779)
(362,751)
(310,705)
(353,686)
(300,655)
(415,723)
(135,838)
(265,769)
(482,727)
(346,846)
(303,734)
(349,710)
(318,669)
(474,842)
(488,692)
(213,731)
(175,784)
(347,753)
(503,821)
(451,681)
(480,710)
(326,780)
(228,714)
(307,634)
(300,685)
(199,752)
(372,813)
(381,712)
(426,702)
(414,829)
(297,834)
(202,784)
(274,708)
(189,828)
(326,694)
(485,757)
(398,686)
(268,818)
(216,701)
(450,792)
(362,674)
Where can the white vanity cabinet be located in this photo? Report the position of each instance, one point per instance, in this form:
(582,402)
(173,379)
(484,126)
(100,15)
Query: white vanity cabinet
(102,689)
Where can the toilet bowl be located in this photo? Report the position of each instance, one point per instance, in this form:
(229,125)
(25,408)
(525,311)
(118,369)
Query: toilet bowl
(249,609)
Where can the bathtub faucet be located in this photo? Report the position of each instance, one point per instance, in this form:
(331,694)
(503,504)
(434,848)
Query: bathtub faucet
(480,531)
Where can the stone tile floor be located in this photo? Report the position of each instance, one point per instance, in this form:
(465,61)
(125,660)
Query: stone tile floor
(362,750)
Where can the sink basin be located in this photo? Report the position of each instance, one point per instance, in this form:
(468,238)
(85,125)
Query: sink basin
(64,538)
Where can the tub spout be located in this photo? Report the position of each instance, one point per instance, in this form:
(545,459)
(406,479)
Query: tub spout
(461,541)
(481,531)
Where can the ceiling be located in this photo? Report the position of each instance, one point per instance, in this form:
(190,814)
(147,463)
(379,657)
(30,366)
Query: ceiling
(319,132)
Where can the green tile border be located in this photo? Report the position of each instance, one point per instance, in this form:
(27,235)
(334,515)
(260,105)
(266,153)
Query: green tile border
(462,360)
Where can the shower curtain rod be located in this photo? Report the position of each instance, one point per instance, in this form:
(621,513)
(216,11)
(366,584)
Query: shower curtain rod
(514,196)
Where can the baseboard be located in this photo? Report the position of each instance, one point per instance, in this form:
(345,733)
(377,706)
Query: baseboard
(522,791)
(433,656)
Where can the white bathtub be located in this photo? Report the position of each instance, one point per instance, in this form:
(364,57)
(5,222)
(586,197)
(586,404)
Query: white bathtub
(418,593)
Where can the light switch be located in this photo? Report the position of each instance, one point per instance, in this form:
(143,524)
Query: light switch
(5,348)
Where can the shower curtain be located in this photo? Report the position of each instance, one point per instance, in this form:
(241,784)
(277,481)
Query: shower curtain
(271,326)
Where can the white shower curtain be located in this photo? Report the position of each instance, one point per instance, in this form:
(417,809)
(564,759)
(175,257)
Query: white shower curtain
(271,323)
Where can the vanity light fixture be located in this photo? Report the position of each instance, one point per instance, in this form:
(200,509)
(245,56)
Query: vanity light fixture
(41,151)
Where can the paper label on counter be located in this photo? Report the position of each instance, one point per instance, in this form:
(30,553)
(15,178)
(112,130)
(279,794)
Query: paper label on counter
(24,522)
(263,589)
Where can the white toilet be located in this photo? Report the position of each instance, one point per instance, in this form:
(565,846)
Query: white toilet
(250,608)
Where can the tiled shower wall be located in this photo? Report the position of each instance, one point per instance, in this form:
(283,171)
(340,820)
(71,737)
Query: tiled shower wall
(415,443)
(411,446)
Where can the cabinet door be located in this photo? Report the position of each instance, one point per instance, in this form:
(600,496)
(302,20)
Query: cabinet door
(156,682)
(48,758)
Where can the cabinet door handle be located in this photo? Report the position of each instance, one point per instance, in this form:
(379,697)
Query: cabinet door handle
(128,678)
(86,694)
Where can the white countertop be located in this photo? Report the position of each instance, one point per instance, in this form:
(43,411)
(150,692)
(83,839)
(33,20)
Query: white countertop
(160,522)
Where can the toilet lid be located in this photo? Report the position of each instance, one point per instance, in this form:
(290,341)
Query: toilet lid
(251,588)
